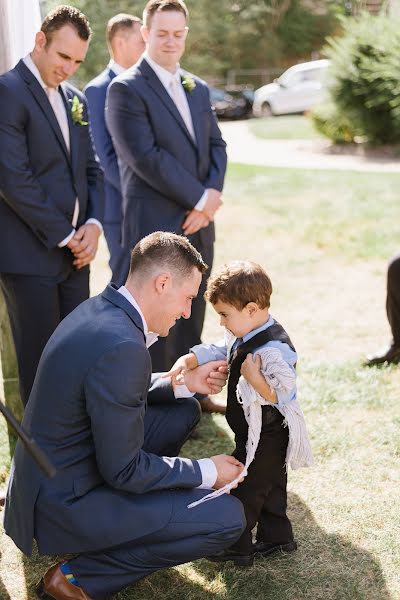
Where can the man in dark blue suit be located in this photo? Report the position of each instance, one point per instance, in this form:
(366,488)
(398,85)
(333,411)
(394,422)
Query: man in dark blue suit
(51,188)
(172,156)
(118,500)
(126,45)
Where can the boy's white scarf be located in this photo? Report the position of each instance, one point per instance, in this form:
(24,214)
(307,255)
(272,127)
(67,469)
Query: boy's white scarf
(280,377)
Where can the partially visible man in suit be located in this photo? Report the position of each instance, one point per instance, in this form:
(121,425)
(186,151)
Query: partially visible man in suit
(118,500)
(126,45)
(51,188)
(172,155)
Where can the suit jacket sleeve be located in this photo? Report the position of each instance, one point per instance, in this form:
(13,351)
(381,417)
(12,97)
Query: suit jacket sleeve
(18,184)
(131,130)
(218,157)
(96,97)
(116,390)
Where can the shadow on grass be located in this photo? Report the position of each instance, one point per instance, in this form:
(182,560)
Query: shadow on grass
(325,567)
(3,592)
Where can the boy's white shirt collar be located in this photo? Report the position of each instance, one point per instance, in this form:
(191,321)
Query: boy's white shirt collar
(151,337)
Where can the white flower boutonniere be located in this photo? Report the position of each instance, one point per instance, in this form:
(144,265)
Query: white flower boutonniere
(188,83)
(77,111)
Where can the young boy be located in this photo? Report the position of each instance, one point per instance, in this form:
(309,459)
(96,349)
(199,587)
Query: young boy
(240,293)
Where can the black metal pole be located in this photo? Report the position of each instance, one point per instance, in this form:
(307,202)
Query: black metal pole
(36,452)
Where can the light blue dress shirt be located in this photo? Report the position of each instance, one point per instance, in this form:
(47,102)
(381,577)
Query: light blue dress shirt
(206,352)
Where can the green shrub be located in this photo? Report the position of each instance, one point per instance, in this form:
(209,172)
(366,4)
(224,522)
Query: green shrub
(334,124)
(366,76)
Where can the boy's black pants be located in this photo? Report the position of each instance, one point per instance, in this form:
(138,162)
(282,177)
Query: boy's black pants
(263,491)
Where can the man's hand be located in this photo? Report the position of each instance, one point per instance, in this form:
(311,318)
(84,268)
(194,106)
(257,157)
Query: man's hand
(213,203)
(195,220)
(185,362)
(84,244)
(228,468)
(209,378)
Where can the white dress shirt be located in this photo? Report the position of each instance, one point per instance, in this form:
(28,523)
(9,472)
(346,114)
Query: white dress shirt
(173,85)
(207,467)
(58,107)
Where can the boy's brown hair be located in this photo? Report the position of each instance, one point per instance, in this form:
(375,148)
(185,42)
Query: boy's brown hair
(155,6)
(239,283)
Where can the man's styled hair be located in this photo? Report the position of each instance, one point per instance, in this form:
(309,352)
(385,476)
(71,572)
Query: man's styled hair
(168,251)
(66,15)
(120,23)
(154,6)
(239,283)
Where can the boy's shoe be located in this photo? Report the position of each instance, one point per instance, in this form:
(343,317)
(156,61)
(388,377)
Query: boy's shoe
(267,548)
(239,560)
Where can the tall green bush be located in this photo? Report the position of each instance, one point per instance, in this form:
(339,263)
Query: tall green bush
(366,76)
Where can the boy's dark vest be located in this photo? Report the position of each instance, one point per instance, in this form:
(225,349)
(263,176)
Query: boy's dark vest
(234,411)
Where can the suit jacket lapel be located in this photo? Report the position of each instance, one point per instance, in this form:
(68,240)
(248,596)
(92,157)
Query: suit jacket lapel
(195,111)
(162,93)
(42,100)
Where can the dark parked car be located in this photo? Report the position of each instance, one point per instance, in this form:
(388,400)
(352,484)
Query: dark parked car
(232,104)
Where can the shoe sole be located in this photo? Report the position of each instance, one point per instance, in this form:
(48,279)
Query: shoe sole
(284,548)
(238,562)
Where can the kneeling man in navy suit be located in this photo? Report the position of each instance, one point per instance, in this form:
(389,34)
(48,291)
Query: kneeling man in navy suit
(110,427)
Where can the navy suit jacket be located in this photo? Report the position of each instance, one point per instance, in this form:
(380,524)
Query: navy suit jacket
(39,178)
(164,172)
(86,410)
(96,92)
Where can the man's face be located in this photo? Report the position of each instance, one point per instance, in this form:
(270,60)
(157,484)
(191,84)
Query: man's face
(176,301)
(132,45)
(61,57)
(166,38)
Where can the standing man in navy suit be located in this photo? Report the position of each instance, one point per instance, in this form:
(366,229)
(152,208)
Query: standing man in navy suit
(51,188)
(120,497)
(126,45)
(172,155)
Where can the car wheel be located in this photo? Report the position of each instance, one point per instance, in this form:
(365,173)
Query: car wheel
(266,110)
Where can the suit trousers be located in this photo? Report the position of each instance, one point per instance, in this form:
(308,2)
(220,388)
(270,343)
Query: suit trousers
(189,533)
(393,298)
(263,491)
(119,256)
(186,332)
(36,305)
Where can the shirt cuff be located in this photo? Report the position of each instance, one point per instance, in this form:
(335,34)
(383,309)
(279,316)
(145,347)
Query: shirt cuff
(182,391)
(202,202)
(95,222)
(209,473)
(67,239)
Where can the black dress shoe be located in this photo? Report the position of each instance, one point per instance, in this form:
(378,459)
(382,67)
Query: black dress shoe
(390,355)
(239,560)
(267,548)
(2,498)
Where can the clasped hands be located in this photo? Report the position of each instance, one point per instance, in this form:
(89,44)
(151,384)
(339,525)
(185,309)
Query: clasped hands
(197,219)
(83,244)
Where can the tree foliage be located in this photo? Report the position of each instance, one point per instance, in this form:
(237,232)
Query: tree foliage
(366,76)
(226,34)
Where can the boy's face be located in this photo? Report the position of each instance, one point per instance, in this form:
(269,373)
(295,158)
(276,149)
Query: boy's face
(239,322)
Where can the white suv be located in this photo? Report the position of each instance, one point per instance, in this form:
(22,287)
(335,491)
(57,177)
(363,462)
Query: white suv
(299,89)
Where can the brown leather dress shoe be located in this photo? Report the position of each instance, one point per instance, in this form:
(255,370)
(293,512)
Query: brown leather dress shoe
(55,586)
(390,355)
(2,498)
(210,405)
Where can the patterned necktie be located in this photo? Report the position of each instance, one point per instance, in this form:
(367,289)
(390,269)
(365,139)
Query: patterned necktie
(181,104)
(234,348)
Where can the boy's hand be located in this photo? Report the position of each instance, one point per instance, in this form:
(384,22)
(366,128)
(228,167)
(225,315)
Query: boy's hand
(251,371)
(184,363)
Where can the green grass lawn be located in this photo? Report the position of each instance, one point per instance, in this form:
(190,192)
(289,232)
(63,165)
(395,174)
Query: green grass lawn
(324,237)
(285,127)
